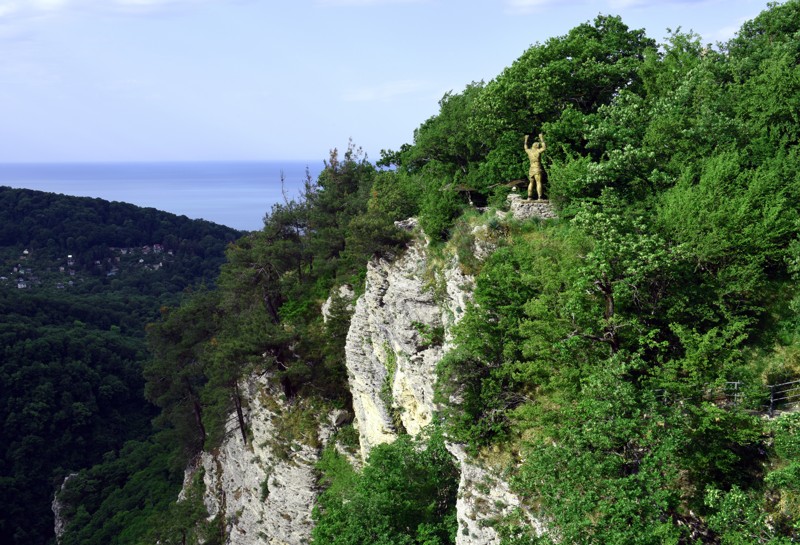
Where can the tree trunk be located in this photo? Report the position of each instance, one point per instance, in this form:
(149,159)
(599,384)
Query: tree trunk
(237,400)
(607,289)
(198,412)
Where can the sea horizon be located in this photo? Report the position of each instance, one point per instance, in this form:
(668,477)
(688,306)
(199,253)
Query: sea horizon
(233,193)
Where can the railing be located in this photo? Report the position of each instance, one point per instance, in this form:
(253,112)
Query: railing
(785,395)
(727,393)
(769,399)
(734,391)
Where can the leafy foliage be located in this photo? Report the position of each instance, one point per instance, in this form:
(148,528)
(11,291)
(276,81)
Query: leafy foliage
(404,495)
(93,231)
(599,347)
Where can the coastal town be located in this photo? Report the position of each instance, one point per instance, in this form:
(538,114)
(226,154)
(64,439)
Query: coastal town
(28,269)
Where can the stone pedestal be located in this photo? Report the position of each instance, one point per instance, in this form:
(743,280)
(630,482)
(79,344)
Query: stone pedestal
(523,209)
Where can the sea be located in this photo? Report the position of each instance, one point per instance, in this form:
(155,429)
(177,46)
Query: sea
(233,193)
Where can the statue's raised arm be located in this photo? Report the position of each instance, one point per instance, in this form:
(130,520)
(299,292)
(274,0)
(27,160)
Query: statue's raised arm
(534,152)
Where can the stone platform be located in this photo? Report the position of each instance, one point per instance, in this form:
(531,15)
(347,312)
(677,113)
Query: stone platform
(523,209)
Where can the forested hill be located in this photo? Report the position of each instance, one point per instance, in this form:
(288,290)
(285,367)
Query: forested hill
(56,221)
(98,233)
(79,280)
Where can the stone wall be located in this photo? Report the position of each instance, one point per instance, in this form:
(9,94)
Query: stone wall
(523,209)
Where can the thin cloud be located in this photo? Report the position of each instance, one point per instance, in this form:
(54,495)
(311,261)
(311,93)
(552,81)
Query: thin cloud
(9,9)
(621,4)
(31,9)
(728,32)
(384,92)
(530,6)
(533,6)
(48,5)
(358,3)
(21,20)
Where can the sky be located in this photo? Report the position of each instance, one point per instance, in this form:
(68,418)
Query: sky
(192,80)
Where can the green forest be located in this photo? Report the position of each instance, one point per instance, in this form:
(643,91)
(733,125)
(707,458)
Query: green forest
(617,359)
(73,339)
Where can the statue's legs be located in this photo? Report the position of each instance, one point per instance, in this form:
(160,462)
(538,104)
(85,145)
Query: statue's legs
(530,188)
(539,189)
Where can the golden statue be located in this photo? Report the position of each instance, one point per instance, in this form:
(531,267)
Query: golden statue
(534,152)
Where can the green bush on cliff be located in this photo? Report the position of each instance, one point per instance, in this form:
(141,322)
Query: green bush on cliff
(405,495)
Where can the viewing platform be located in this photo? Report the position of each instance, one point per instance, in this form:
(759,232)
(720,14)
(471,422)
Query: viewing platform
(524,209)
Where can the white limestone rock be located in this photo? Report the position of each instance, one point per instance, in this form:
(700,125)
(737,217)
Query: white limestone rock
(398,333)
(265,490)
(344,293)
(484,498)
(400,329)
(59,522)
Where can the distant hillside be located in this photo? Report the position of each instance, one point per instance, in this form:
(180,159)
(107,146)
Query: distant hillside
(104,241)
(79,280)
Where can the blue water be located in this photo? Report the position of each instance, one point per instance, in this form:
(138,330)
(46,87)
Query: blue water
(236,194)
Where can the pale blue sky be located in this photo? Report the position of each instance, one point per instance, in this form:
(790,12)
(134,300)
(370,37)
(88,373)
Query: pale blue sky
(149,80)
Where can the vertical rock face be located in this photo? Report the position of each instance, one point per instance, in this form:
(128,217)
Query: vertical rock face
(397,335)
(265,490)
(59,522)
(399,331)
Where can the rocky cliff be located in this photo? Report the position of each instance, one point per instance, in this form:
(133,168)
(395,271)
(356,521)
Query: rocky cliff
(59,522)
(398,333)
(400,328)
(263,491)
